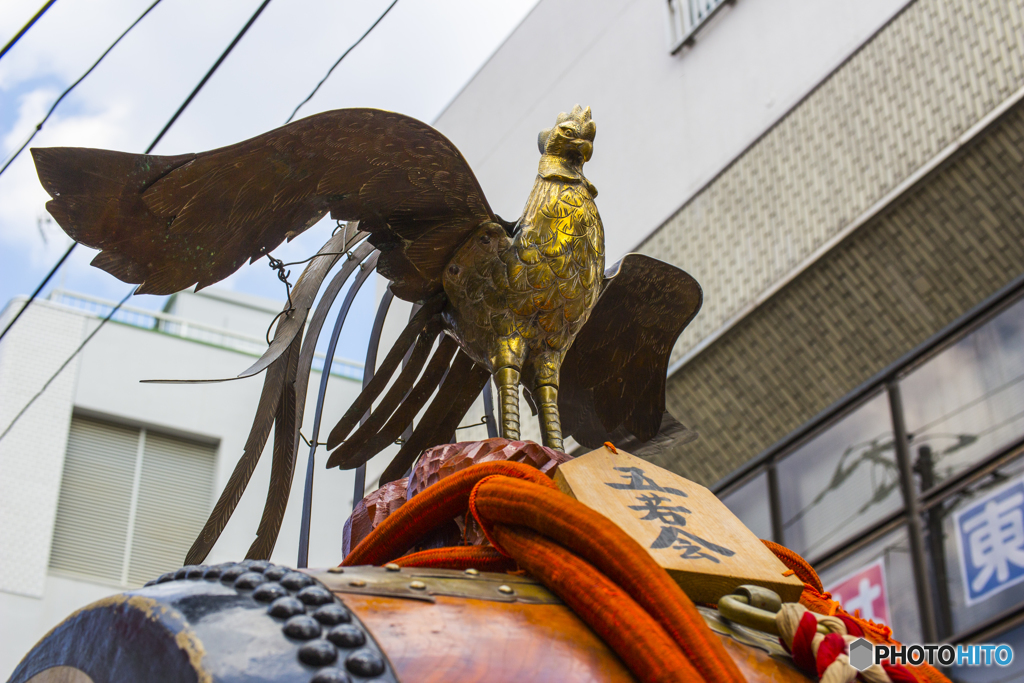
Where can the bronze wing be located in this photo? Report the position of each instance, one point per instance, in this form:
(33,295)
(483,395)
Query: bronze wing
(613,376)
(168,222)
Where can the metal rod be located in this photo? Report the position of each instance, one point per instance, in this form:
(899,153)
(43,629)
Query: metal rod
(775,505)
(365,268)
(492,426)
(369,367)
(917,554)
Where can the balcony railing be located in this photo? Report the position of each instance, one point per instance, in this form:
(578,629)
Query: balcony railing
(174,326)
(687,16)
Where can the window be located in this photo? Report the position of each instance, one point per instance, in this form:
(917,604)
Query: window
(840,482)
(749,502)
(686,16)
(131,502)
(968,401)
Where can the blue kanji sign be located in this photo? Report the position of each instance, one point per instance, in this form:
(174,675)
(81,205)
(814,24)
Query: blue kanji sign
(990,538)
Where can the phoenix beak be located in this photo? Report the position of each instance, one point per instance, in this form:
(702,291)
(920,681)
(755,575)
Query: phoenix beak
(585,147)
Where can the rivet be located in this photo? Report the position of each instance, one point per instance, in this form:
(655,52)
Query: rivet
(275,573)
(282,608)
(347,635)
(358,583)
(336,570)
(507,590)
(332,614)
(302,627)
(249,580)
(294,581)
(392,567)
(268,592)
(473,572)
(318,653)
(417,585)
(315,595)
(365,663)
(330,676)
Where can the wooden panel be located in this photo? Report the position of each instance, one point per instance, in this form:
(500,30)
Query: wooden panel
(686,529)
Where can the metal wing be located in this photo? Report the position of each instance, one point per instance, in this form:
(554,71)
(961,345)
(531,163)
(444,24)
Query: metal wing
(167,223)
(615,371)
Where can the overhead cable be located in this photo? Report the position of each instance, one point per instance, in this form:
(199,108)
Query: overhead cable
(25,28)
(63,365)
(39,126)
(153,144)
(344,54)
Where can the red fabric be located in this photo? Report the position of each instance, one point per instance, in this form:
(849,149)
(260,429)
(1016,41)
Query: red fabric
(831,646)
(852,627)
(803,654)
(431,508)
(589,535)
(484,558)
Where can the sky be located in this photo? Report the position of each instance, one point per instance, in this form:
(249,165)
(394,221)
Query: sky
(415,62)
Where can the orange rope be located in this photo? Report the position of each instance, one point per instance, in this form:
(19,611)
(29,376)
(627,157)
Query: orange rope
(436,505)
(482,557)
(641,643)
(589,534)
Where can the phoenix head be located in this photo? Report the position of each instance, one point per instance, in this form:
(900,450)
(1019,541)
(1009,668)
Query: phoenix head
(571,138)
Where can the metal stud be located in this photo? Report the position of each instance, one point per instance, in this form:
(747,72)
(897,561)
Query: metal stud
(268,592)
(347,635)
(318,653)
(473,572)
(315,595)
(417,585)
(507,590)
(282,608)
(302,627)
(275,572)
(294,581)
(330,676)
(365,663)
(249,580)
(392,567)
(335,570)
(357,583)
(332,614)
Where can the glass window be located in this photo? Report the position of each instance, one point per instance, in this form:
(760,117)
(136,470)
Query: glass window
(877,582)
(968,401)
(840,482)
(749,502)
(975,545)
(131,502)
(1014,673)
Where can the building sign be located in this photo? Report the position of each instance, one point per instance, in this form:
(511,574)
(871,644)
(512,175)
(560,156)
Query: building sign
(864,593)
(990,540)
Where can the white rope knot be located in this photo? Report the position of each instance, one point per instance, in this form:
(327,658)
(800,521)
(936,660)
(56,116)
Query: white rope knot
(805,653)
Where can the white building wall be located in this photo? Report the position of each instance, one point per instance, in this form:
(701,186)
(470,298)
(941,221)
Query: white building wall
(104,382)
(666,124)
(32,453)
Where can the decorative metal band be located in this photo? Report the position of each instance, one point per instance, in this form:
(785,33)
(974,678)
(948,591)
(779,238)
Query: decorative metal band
(330,639)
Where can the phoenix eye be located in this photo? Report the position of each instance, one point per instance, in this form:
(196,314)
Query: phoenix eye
(568,132)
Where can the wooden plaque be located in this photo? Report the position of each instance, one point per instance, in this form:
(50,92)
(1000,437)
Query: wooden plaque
(685,528)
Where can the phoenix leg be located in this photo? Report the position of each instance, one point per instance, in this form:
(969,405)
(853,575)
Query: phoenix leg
(507,381)
(550,423)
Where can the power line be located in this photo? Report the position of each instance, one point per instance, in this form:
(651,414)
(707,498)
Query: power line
(25,28)
(344,54)
(153,144)
(65,363)
(39,126)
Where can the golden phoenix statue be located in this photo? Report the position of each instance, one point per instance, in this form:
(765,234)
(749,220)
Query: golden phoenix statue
(526,302)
